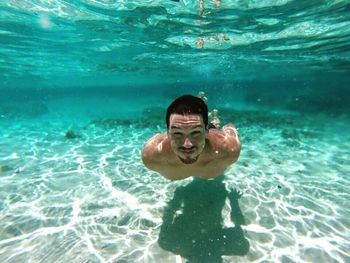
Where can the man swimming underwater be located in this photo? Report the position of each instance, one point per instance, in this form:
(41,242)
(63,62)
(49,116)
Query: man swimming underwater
(190,147)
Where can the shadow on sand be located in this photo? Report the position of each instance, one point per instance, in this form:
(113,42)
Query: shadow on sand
(192,223)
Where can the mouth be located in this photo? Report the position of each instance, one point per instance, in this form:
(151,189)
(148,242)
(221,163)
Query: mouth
(187,151)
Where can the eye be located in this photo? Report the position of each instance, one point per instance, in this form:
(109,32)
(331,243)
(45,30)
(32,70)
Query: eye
(196,133)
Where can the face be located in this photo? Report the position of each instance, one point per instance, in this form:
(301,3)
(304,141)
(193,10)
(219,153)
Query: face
(187,136)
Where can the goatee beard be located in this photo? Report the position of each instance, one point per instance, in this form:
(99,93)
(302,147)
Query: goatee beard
(189,161)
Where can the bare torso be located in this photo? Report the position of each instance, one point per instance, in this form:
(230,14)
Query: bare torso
(221,149)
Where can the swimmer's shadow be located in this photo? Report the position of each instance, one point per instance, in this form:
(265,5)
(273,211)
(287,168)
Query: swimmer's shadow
(192,223)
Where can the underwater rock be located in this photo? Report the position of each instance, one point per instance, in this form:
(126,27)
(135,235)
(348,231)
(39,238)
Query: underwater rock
(245,164)
(276,161)
(290,134)
(70,134)
(5,168)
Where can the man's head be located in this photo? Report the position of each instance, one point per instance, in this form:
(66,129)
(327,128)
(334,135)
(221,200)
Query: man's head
(187,121)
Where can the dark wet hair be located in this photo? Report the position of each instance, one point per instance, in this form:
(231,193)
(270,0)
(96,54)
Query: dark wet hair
(188,104)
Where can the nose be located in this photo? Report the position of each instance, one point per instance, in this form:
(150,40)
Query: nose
(187,143)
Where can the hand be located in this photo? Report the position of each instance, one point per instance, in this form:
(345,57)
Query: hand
(235,194)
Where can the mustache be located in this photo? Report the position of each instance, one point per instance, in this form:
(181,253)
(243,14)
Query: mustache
(187,149)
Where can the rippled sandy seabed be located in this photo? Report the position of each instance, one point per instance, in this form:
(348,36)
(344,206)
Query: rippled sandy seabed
(90,199)
(73,187)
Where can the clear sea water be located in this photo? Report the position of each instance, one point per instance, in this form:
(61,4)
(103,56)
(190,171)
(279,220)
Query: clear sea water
(84,83)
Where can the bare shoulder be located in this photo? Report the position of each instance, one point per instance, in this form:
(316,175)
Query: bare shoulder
(226,142)
(231,131)
(157,138)
(153,149)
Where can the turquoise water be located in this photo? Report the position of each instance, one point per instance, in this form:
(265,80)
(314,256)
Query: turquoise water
(83,84)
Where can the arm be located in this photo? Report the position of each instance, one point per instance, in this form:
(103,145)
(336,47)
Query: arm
(225,149)
(236,213)
(232,144)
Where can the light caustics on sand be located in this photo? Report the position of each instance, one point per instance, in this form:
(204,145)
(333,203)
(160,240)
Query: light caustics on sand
(88,197)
